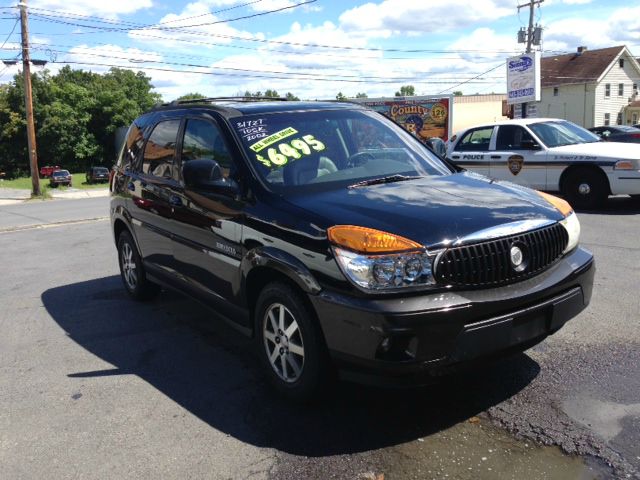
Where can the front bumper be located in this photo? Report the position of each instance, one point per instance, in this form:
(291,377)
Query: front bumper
(411,339)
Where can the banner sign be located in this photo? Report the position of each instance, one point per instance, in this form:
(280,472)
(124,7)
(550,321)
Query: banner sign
(425,117)
(523,78)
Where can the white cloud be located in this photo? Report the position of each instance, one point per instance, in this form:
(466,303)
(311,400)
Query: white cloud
(109,8)
(622,27)
(203,29)
(401,16)
(108,55)
(260,6)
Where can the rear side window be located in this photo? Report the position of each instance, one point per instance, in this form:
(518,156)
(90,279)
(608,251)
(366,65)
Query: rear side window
(132,146)
(160,149)
(476,140)
(203,141)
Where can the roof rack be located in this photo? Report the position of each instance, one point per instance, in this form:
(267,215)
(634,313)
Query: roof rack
(222,99)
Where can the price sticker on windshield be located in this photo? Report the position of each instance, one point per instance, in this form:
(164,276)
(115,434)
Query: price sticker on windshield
(286,151)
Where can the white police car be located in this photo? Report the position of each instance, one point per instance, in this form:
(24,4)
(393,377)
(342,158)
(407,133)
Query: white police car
(550,154)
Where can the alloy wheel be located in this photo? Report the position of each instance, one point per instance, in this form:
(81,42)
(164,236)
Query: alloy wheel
(129,266)
(283,342)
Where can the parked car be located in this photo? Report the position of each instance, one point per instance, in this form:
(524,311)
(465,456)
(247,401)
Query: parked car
(618,133)
(60,177)
(552,155)
(438,146)
(47,170)
(97,174)
(338,240)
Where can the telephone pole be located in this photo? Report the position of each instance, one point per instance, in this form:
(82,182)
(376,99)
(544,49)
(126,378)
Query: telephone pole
(531,6)
(28,101)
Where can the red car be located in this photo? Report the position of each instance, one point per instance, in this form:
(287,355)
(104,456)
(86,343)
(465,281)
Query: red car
(47,170)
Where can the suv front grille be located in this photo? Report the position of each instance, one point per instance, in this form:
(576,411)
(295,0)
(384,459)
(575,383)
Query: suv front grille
(489,263)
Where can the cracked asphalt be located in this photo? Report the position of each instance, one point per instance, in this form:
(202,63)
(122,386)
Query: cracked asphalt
(93,385)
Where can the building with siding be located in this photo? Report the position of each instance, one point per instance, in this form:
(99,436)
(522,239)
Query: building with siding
(590,87)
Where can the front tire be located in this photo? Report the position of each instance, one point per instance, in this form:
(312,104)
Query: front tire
(290,344)
(585,188)
(132,271)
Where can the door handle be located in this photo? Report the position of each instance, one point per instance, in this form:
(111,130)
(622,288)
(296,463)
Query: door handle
(175,201)
(495,157)
(455,157)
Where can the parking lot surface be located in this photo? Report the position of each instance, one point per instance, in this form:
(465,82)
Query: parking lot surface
(95,385)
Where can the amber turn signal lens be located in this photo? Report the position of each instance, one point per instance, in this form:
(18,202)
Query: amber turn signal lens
(559,203)
(368,240)
(624,165)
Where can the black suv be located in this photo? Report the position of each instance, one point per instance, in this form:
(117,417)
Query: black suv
(97,174)
(337,239)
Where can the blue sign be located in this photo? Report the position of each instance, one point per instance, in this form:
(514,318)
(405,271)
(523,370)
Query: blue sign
(520,65)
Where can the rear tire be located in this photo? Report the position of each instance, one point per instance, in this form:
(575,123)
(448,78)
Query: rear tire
(585,188)
(290,343)
(132,271)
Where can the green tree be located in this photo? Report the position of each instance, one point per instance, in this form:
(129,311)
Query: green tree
(406,91)
(340,96)
(362,95)
(457,93)
(76,114)
(290,96)
(191,96)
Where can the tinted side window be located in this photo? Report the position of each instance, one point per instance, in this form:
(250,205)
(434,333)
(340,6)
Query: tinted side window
(475,140)
(510,137)
(132,146)
(203,141)
(160,149)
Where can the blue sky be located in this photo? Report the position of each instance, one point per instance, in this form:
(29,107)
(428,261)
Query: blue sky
(313,49)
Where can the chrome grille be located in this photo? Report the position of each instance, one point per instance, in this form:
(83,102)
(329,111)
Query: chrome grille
(489,263)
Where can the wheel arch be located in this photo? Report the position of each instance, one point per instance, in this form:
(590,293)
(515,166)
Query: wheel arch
(264,265)
(593,168)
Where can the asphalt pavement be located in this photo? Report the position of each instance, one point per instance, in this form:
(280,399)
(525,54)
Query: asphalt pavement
(94,385)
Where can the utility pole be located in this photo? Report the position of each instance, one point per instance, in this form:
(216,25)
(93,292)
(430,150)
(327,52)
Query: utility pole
(28,101)
(531,6)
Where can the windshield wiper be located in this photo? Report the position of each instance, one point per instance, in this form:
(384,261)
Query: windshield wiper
(389,179)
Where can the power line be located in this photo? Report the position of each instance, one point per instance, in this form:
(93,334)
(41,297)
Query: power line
(246,75)
(177,28)
(470,80)
(55,19)
(73,50)
(11,33)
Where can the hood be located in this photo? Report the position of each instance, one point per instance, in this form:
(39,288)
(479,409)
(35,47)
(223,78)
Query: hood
(433,211)
(613,150)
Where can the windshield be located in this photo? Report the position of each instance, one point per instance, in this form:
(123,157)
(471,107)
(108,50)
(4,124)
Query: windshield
(60,173)
(101,170)
(559,133)
(331,148)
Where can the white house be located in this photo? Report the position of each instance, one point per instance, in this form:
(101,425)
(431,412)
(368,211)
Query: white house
(590,87)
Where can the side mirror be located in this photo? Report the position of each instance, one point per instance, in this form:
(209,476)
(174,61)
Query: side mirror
(206,174)
(530,145)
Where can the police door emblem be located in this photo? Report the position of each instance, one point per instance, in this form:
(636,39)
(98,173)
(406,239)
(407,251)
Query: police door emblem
(515,163)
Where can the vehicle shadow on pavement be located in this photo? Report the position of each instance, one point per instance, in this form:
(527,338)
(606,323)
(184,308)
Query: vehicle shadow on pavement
(176,345)
(618,205)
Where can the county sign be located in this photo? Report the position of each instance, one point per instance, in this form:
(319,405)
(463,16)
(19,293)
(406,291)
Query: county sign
(523,78)
(425,117)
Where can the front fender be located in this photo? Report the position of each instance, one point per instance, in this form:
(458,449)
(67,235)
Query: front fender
(283,263)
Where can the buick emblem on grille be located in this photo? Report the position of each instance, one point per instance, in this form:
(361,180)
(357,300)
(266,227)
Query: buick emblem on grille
(517,258)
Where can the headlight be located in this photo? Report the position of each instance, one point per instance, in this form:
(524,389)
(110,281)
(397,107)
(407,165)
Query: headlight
(386,272)
(570,222)
(572,225)
(380,261)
